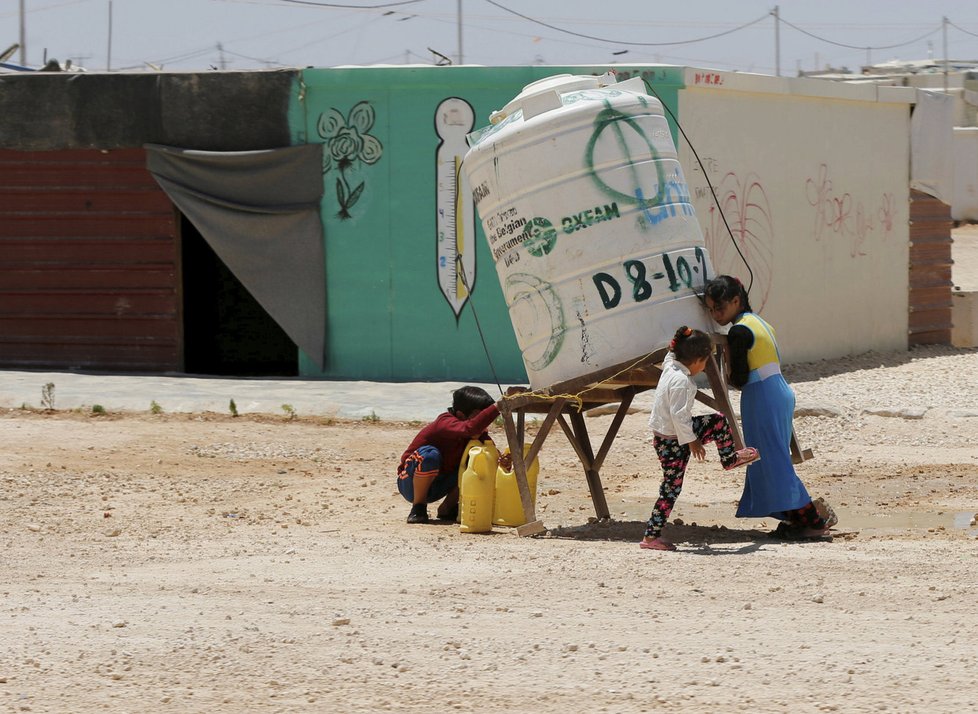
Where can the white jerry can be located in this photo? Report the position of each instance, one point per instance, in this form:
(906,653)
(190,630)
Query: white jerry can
(590,224)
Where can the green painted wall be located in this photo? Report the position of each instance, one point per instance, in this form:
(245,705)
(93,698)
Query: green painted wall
(388,319)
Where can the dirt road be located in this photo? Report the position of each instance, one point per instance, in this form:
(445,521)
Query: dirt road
(206,563)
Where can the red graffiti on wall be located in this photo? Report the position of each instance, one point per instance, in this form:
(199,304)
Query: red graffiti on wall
(745,206)
(839,214)
(713,79)
(887,209)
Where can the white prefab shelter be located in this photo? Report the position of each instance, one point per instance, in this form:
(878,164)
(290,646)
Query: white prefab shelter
(813,179)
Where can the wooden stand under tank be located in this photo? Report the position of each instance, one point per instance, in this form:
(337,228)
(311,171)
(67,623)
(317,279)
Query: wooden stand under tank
(566,402)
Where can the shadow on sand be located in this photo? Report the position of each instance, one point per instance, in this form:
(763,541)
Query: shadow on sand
(700,540)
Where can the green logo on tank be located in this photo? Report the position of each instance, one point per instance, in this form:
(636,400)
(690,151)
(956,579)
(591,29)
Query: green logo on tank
(539,237)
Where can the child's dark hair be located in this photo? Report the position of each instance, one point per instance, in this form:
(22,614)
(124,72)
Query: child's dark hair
(690,345)
(724,288)
(470,399)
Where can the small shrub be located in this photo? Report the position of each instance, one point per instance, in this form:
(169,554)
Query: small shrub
(98,409)
(155,408)
(289,411)
(233,408)
(372,417)
(47,396)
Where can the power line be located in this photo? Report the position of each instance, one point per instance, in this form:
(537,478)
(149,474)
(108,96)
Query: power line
(960,28)
(620,42)
(353,7)
(254,59)
(857,47)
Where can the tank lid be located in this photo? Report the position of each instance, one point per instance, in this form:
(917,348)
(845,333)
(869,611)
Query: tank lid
(544,94)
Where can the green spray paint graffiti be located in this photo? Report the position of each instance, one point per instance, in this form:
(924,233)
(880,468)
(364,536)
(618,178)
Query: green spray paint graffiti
(669,190)
(347,142)
(611,118)
(536,307)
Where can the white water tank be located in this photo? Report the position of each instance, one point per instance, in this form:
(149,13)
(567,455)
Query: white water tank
(590,224)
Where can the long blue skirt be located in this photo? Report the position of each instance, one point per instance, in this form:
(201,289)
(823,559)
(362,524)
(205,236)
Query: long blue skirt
(771,486)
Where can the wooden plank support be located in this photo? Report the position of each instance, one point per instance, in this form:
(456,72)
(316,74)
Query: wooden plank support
(564,403)
(590,472)
(515,439)
(798,454)
(545,427)
(613,428)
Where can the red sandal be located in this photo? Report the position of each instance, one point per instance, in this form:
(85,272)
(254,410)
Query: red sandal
(747,455)
(657,544)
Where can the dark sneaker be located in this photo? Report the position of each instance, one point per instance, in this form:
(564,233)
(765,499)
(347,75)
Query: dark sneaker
(418,514)
(449,514)
(787,531)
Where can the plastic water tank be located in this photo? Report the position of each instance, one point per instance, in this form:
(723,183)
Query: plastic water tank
(589,221)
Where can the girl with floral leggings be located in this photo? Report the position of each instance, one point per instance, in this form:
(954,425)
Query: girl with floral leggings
(677,434)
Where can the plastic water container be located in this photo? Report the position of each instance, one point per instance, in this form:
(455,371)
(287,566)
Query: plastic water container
(508,509)
(588,217)
(477,487)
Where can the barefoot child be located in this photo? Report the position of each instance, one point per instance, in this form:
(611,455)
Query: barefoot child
(767,403)
(677,433)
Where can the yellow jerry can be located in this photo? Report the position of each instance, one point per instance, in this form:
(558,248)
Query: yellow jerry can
(477,487)
(508,510)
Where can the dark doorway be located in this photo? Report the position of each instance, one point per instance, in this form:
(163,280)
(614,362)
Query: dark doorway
(226,331)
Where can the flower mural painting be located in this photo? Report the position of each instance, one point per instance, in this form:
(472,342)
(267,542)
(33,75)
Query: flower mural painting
(347,143)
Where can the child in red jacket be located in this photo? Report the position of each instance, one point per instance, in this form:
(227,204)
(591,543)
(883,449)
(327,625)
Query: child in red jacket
(428,470)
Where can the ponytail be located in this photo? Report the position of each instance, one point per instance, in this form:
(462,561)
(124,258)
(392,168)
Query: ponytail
(689,345)
(681,334)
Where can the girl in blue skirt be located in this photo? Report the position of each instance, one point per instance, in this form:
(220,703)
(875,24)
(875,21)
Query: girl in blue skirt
(767,404)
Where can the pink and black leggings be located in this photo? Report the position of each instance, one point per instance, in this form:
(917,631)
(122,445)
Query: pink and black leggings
(674,457)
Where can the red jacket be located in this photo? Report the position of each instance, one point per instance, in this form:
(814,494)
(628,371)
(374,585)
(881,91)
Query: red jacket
(449,435)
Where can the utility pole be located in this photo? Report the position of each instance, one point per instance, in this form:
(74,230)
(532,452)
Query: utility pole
(23,37)
(460,59)
(944,29)
(777,40)
(108,53)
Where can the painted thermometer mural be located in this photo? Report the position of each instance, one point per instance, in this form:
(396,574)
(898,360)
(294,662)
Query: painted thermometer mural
(455,213)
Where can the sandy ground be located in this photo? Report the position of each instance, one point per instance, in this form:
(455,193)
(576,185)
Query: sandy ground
(204,563)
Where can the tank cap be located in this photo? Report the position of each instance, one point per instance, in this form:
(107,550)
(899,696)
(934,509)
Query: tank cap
(544,94)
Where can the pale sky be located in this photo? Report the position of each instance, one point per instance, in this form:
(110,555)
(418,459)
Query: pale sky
(183,35)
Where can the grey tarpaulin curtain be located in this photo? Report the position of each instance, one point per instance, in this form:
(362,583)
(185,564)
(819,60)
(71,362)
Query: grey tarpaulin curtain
(259,211)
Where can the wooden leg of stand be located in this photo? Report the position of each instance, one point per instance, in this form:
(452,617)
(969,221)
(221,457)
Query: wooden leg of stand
(798,454)
(609,438)
(719,386)
(515,439)
(578,438)
(545,427)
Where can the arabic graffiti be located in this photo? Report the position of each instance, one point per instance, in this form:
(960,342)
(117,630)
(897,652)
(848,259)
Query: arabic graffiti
(744,204)
(838,213)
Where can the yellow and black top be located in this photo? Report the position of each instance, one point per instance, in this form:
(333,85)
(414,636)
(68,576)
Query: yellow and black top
(754,352)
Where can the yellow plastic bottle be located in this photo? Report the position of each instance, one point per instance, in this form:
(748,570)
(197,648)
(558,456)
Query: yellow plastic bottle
(508,510)
(477,490)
